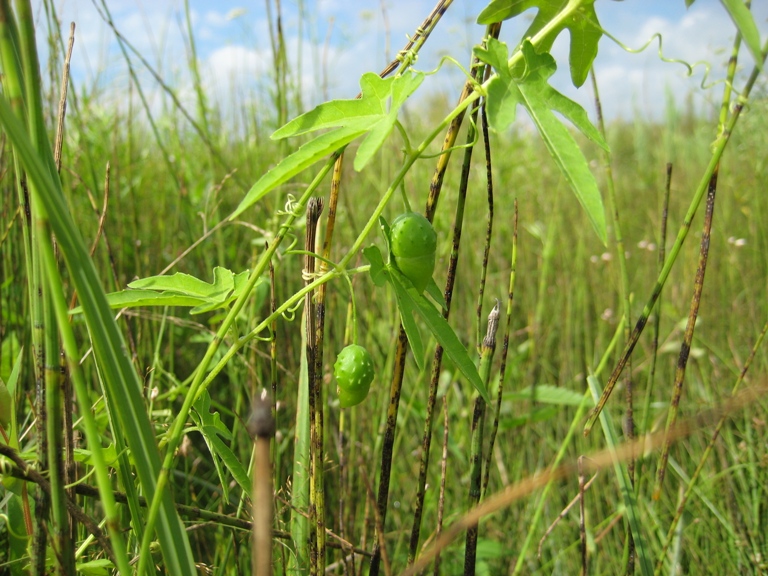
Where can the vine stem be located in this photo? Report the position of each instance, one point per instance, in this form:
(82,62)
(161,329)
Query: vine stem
(177,428)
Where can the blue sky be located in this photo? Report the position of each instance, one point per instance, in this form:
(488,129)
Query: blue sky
(339,43)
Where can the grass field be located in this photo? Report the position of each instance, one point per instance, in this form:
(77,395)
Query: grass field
(174,178)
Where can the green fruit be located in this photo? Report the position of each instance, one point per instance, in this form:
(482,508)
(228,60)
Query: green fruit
(413,243)
(353,370)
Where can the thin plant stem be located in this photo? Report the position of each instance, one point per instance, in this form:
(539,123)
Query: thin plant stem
(685,348)
(478,423)
(717,151)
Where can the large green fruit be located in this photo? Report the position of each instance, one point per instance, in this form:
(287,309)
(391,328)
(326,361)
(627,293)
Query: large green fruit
(353,370)
(413,244)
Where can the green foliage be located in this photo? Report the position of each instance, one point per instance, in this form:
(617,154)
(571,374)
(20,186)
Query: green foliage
(412,303)
(187,291)
(532,91)
(745,23)
(215,432)
(375,113)
(581,23)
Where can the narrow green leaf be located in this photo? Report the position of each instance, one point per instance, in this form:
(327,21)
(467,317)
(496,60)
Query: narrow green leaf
(434,292)
(407,309)
(745,23)
(311,152)
(300,477)
(184,290)
(122,386)
(209,424)
(136,298)
(184,284)
(440,328)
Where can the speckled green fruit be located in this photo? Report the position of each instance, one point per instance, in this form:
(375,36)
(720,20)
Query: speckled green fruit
(413,244)
(353,370)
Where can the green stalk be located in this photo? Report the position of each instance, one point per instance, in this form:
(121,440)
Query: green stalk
(476,451)
(177,428)
(685,347)
(691,485)
(49,399)
(121,383)
(91,428)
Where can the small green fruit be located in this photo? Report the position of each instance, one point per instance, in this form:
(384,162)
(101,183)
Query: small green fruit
(353,370)
(413,244)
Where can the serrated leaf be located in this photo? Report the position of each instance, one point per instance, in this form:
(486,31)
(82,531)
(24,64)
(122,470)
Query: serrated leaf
(540,100)
(439,328)
(377,271)
(582,24)
(745,23)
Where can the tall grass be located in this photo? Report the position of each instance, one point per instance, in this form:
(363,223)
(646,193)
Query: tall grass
(171,186)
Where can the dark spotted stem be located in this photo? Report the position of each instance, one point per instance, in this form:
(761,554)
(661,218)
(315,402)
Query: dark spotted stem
(717,152)
(316,492)
(434,194)
(478,421)
(682,361)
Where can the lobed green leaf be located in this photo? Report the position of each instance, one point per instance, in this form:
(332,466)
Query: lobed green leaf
(582,24)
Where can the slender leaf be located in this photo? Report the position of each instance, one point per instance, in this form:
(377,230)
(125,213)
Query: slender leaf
(121,383)
(442,331)
(347,119)
(745,23)
(209,424)
(185,290)
(311,152)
